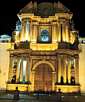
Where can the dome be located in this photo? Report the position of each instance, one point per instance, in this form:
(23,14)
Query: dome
(45,9)
(18,25)
(5,38)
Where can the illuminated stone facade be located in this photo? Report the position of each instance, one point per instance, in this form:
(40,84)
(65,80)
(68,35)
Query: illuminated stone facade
(45,54)
(82,64)
(4,64)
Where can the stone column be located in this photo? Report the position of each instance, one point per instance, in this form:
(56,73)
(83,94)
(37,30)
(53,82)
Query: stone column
(64,68)
(18,70)
(33,76)
(35,32)
(22,31)
(53,80)
(69,70)
(21,71)
(28,70)
(56,64)
(64,32)
(10,68)
(77,69)
(59,69)
(27,29)
(24,69)
(59,32)
(26,77)
(61,29)
(67,32)
(54,34)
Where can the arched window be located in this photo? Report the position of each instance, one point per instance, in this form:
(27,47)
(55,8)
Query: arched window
(44,36)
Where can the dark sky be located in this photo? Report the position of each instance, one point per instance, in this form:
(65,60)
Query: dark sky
(9,9)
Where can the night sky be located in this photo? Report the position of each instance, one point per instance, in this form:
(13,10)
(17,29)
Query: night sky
(9,9)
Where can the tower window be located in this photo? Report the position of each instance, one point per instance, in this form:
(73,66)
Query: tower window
(44,36)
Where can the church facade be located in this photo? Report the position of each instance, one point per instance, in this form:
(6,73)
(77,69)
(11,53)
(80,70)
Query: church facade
(44,54)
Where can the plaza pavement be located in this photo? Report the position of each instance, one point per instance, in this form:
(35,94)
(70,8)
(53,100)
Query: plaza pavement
(42,98)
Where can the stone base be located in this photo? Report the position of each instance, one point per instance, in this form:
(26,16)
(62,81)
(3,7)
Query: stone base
(63,88)
(21,87)
(68,88)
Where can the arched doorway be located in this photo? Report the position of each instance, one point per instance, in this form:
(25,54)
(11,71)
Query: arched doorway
(43,77)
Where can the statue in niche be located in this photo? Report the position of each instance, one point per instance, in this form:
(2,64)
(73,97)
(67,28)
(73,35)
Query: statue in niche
(72,80)
(62,80)
(13,79)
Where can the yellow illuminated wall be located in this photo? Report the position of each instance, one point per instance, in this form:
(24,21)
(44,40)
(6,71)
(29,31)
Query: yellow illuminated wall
(82,67)
(4,64)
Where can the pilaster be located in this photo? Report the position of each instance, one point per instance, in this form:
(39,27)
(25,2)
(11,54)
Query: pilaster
(69,70)
(59,33)
(33,76)
(59,69)
(53,80)
(34,32)
(66,65)
(67,33)
(10,68)
(77,69)
(54,30)
(22,31)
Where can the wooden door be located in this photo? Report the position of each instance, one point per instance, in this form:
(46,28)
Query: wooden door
(43,78)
